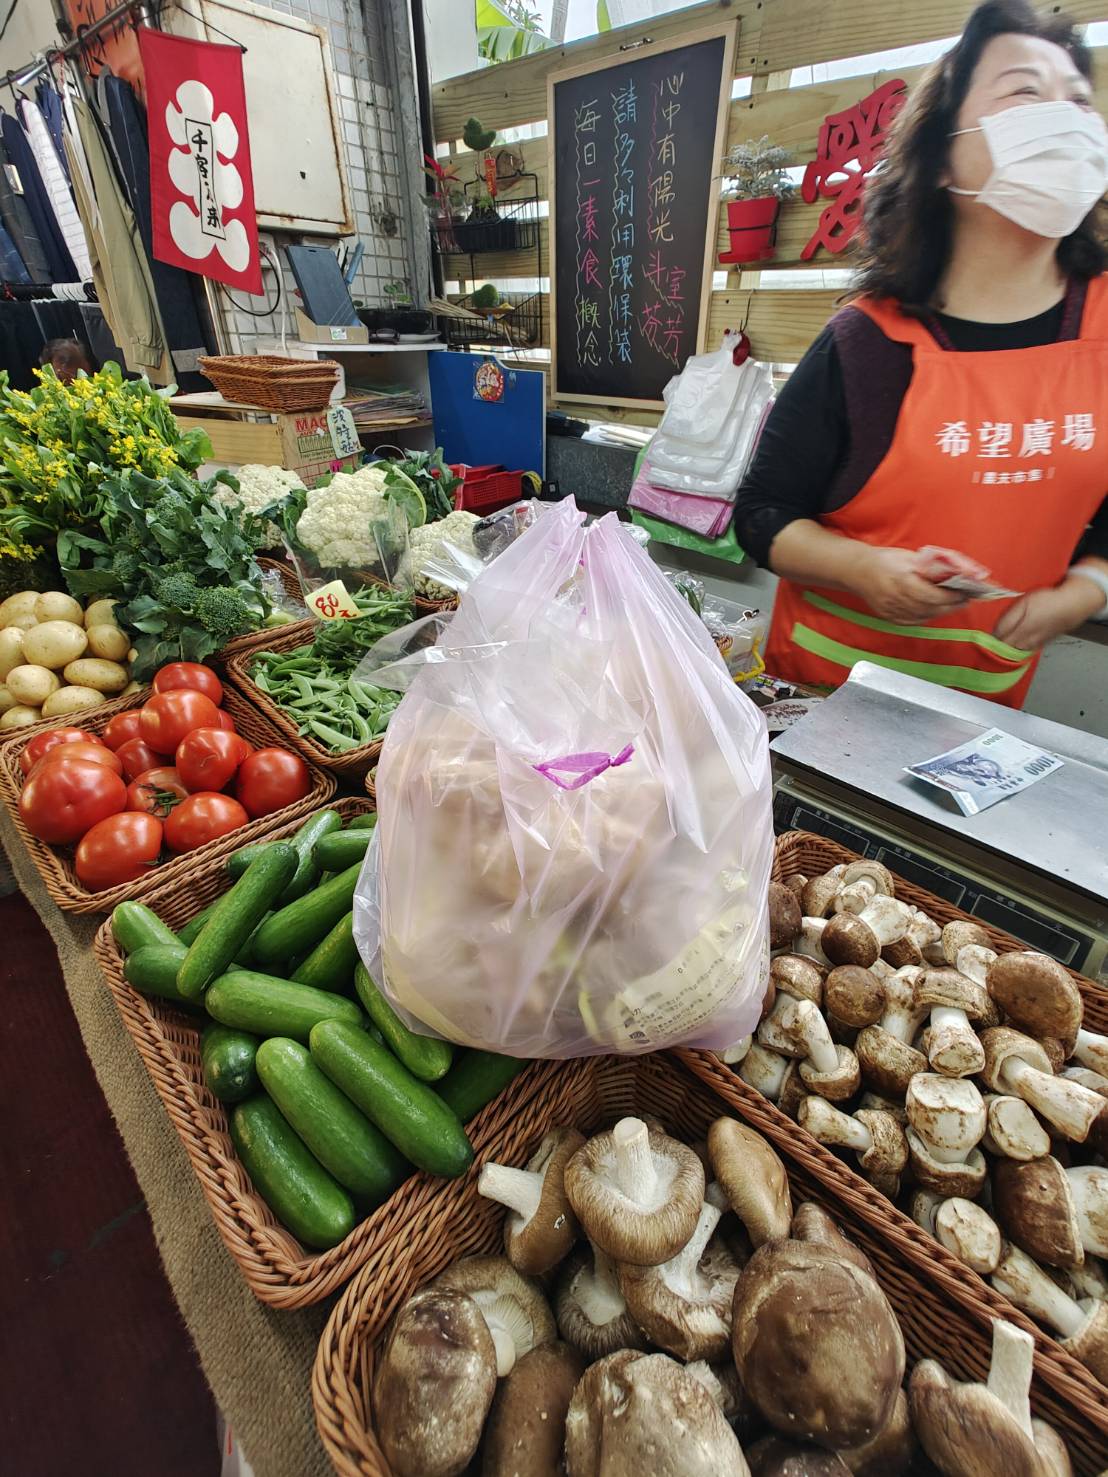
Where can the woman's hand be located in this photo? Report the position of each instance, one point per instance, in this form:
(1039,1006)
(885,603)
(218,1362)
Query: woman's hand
(889,582)
(1040,616)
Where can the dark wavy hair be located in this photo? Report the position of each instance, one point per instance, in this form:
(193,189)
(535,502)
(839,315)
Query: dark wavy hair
(908,221)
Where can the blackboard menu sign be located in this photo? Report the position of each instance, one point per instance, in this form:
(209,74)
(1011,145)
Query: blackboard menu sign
(635,146)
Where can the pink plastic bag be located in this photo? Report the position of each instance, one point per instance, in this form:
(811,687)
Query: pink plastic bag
(575,836)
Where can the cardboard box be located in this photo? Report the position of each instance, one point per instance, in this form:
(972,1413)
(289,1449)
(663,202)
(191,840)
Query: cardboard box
(323,333)
(308,442)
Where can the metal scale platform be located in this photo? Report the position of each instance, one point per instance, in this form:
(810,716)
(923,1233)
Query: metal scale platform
(1035,865)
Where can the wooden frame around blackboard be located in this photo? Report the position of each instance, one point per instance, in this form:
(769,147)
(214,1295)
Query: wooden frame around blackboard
(729,31)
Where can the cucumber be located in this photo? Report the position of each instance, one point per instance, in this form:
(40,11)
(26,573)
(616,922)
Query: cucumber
(342,1139)
(153,971)
(341,850)
(364,822)
(475,1079)
(330,965)
(295,1186)
(303,843)
(297,928)
(235,917)
(134,925)
(195,924)
(424,1056)
(406,1111)
(274,1007)
(227,1058)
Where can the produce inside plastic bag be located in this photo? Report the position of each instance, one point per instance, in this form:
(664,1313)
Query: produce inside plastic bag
(575,835)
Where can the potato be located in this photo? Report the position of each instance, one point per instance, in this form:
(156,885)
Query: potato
(11,649)
(6,700)
(21,604)
(32,685)
(21,623)
(19,717)
(99,613)
(103,676)
(108,641)
(56,605)
(70,700)
(53,644)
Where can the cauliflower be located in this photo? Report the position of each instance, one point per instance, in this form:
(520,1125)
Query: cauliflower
(350,524)
(259,488)
(426,544)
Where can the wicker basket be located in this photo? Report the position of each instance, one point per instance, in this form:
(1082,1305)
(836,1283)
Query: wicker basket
(56,866)
(270,381)
(257,640)
(351,765)
(944,1313)
(371,785)
(20,736)
(276,1268)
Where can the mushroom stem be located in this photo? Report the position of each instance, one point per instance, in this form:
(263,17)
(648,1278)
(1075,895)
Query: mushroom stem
(519,1189)
(1025,1283)
(1010,1371)
(954,1043)
(599,1295)
(1092,1051)
(505,1347)
(830,1126)
(973,961)
(796,1028)
(635,1172)
(734,1054)
(683,1266)
(1071,1108)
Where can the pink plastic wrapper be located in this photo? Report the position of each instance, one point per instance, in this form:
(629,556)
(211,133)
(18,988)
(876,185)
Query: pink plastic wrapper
(708,516)
(575,835)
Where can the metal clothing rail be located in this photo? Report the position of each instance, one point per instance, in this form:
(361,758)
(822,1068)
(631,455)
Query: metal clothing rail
(20,76)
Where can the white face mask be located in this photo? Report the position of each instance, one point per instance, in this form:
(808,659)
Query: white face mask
(1050,165)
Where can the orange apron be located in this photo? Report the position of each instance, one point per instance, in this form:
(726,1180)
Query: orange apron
(1002,456)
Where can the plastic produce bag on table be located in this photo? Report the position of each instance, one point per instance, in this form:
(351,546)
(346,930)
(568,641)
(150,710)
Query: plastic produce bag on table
(575,835)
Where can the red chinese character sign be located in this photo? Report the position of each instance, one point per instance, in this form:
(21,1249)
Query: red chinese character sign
(201,185)
(849,147)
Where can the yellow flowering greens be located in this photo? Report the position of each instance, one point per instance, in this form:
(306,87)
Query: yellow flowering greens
(58,443)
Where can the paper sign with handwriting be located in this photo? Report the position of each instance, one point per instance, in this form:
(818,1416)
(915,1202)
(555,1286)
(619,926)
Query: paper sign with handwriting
(333,602)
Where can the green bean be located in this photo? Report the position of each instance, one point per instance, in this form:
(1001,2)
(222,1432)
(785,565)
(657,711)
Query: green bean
(332,736)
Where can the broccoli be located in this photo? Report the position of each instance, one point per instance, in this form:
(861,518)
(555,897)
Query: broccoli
(126,566)
(225,614)
(178,591)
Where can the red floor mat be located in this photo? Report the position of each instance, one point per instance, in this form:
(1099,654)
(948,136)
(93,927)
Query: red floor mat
(97,1374)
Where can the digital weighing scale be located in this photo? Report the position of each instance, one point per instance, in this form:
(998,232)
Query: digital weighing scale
(1035,865)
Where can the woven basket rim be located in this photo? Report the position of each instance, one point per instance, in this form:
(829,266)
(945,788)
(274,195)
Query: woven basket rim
(270,365)
(56,869)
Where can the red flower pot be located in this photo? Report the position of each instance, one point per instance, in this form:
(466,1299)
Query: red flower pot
(752,225)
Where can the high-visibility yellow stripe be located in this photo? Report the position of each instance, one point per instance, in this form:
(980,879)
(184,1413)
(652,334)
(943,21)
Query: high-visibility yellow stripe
(967,678)
(984,639)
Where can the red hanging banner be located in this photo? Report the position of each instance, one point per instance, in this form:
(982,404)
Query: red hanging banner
(201,186)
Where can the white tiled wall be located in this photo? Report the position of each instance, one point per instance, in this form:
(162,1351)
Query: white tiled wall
(375,173)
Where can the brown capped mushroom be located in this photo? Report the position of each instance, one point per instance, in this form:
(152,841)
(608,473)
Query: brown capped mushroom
(796,885)
(591,1312)
(433,1385)
(723,1384)
(1016,1065)
(513,1306)
(946,1118)
(684,1305)
(637,1194)
(540,1226)
(858,938)
(773,1456)
(784,916)
(919,941)
(958,935)
(525,1432)
(816,1344)
(891,1452)
(764,1070)
(1036,994)
(812,1223)
(637,1414)
(971,1430)
(1013,1131)
(1083,1326)
(968,1233)
(876,1138)
(808,943)
(795,1028)
(956,1005)
(752,1178)
(886,1063)
(1054,1214)
(793,974)
(854,996)
(862,881)
(818,897)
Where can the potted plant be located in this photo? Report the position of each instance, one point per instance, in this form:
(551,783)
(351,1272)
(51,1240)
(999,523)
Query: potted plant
(757,179)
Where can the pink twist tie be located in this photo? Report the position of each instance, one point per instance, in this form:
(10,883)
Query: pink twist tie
(585,766)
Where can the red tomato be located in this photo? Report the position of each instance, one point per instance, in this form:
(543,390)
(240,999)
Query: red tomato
(270,779)
(61,802)
(122,727)
(207,758)
(168,716)
(192,675)
(226,721)
(157,792)
(42,743)
(137,757)
(91,753)
(118,849)
(203,817)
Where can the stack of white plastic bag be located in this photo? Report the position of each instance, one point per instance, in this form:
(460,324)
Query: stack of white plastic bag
(715,410)
(575,833)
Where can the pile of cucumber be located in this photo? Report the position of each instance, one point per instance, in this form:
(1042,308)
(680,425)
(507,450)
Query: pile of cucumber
(331,1098)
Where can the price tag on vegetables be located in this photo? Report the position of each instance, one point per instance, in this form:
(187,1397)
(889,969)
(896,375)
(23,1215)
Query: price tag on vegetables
(333,602)
(344,433)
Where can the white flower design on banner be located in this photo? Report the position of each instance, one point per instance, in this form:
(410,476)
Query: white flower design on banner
(198,169)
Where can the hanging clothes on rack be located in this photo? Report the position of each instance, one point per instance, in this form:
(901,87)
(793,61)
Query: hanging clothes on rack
(50,104)
(12,268)
(56,183)
(18,223)
(18,149)
(120,269)
(125,121)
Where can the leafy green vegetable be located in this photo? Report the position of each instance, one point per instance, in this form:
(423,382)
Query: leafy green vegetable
(434,479)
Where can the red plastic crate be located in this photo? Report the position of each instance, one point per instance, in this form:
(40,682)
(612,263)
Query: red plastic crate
(486,489)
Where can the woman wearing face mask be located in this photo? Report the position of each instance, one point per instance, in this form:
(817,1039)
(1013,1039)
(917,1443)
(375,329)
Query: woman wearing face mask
(961,401)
